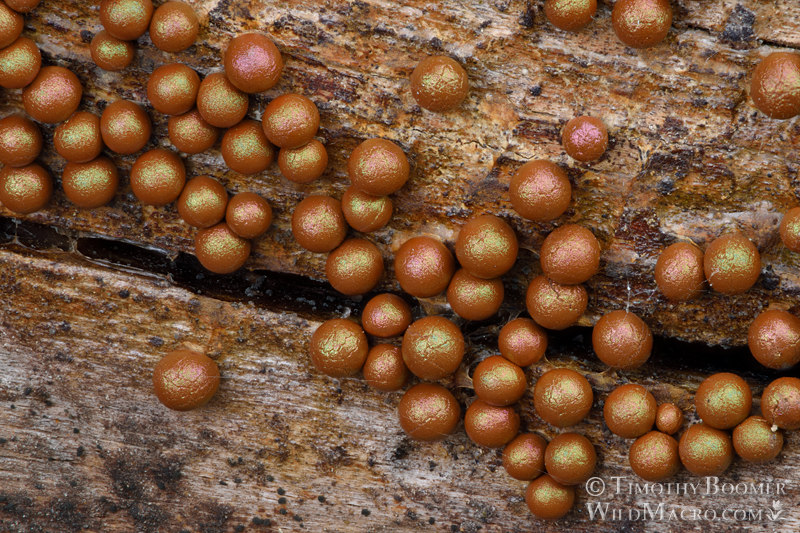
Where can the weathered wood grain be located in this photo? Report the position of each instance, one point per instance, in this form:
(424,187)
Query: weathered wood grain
(690,156)
(85,316)
(86,446)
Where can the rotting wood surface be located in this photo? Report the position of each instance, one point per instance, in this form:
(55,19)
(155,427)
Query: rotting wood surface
(85,445)
(104,293)
(690,157)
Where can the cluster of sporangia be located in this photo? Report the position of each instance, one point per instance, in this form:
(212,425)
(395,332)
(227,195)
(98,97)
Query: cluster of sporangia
(197,110)
(432,347)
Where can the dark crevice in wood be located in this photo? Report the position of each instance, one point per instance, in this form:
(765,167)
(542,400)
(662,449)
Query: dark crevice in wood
(318,301)
(273,290)
(672,355)
(777,44)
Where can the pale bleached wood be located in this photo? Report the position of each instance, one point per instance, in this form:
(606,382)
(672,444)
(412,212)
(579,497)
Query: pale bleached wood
(79,342)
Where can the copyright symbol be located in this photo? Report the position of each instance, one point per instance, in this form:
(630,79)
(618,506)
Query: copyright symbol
(595,486)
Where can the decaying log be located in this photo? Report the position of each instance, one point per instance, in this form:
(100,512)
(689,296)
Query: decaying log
(85,444)
(91,299)
(689,159)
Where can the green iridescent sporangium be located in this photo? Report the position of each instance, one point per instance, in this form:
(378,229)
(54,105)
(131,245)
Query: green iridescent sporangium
(220,96)
(424,261)
(151,174)
(17,138)
(571,452)
(90,178)
(8,17)
(304,157)
(569,8)
(21,183)
(174,22)
(734,257)
(320,221)
(221,242)
(247,143)
(179,84)
(77,133)
(338,344)
(250,212)
(389,314)
(793,226)
(53,93)
(732,263)
(377,161)
(498,377)
(549,493)
(123,123)
(726,398)
(563,393)
(126,12)
(15,59)
(367,205)
(475,291)
(289,116)
(112,50)
(358,262)
(707,446)
(203,199)
(646,14)
(442,78)
(430,406)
